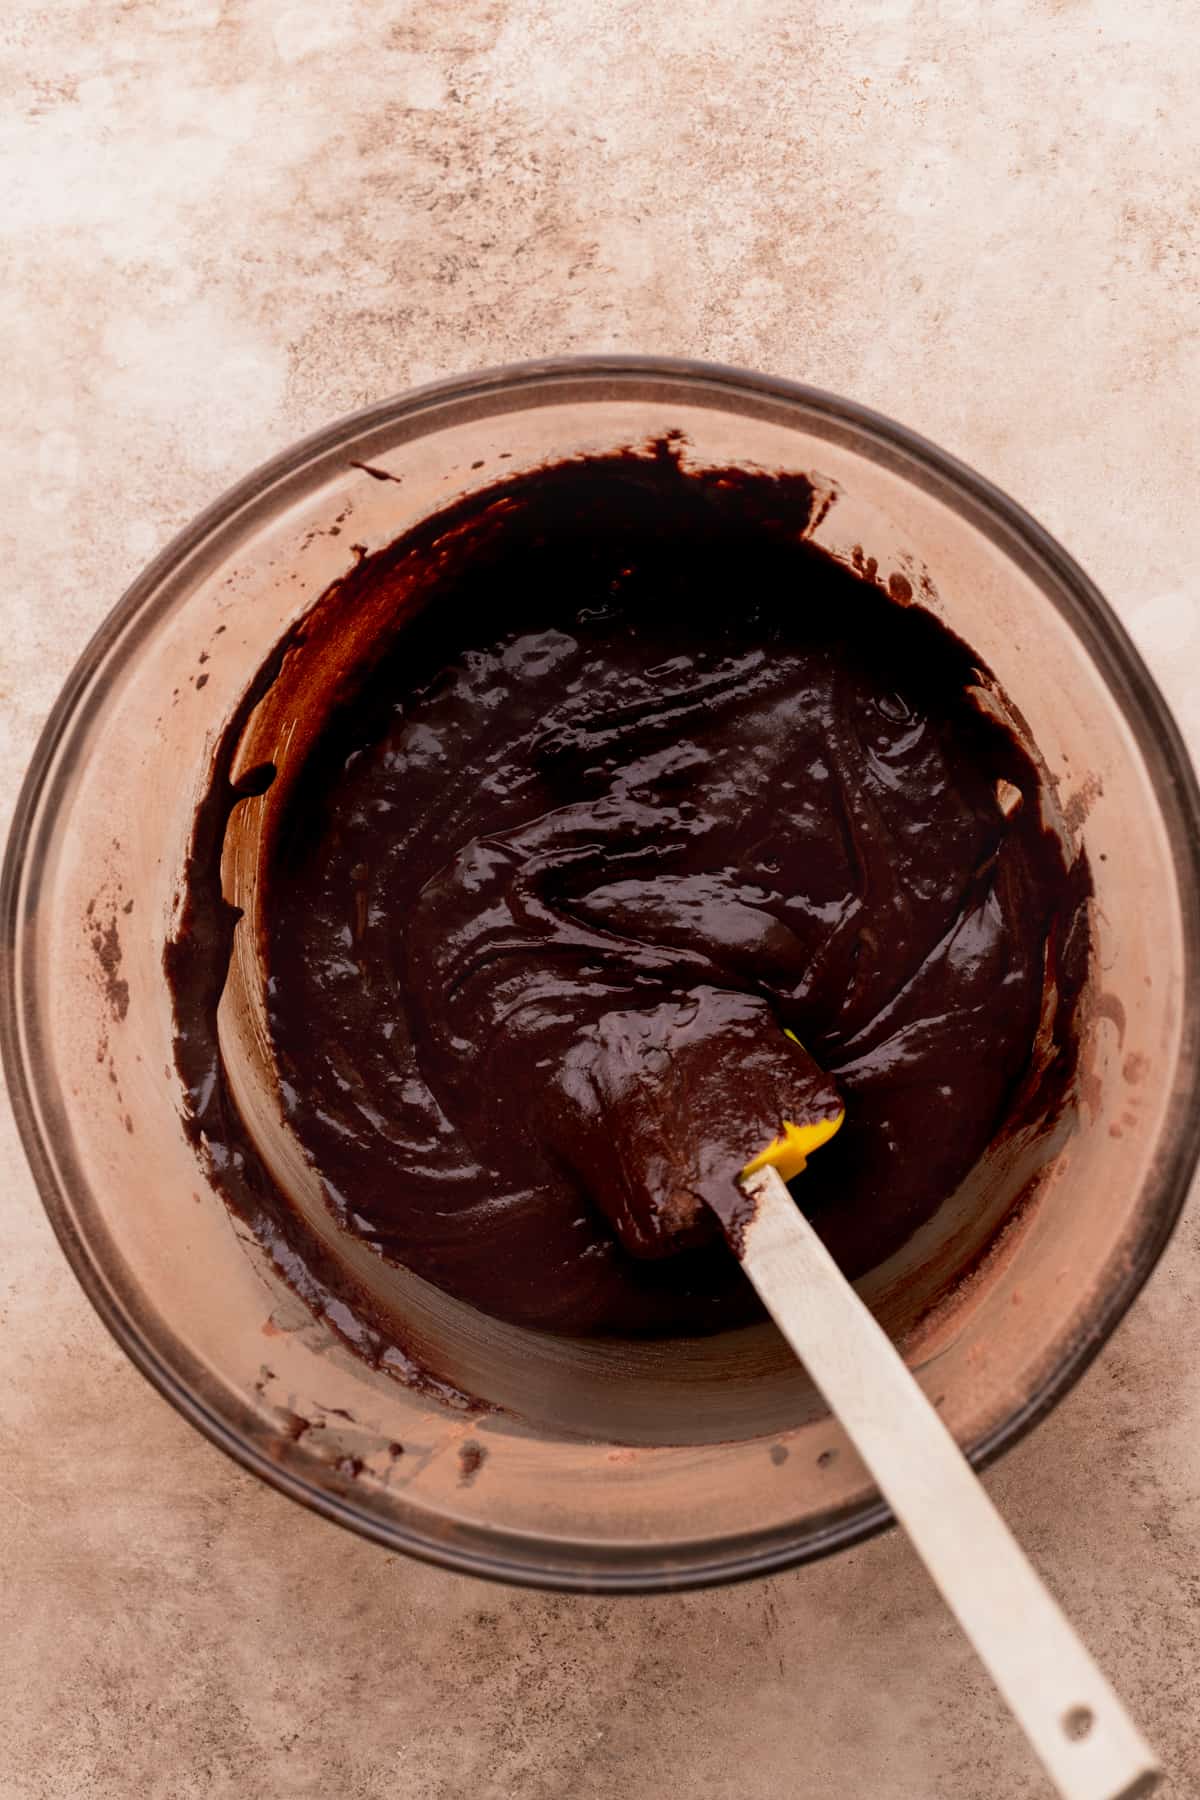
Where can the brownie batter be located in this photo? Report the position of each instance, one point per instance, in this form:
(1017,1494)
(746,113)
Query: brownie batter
(620,782)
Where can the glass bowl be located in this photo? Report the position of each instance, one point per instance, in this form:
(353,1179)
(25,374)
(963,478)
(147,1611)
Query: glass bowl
(602,1465)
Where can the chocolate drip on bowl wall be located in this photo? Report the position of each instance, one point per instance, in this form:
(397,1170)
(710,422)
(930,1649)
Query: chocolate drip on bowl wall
(595,786)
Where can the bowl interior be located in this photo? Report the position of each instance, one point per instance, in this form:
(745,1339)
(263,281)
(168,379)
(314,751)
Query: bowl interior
(608,1463)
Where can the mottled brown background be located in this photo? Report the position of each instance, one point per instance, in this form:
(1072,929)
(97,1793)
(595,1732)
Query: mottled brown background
(227,221)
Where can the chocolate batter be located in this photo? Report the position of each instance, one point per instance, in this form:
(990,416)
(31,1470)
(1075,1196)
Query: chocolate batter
(622,778)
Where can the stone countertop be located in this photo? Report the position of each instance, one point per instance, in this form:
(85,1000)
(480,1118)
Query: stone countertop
(228,221)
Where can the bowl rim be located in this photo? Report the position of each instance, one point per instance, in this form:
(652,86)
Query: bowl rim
(1133,690)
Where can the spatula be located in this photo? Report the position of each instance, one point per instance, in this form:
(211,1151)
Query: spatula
(1074,1721)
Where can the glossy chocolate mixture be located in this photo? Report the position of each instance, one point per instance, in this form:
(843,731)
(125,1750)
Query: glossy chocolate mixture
(626,778)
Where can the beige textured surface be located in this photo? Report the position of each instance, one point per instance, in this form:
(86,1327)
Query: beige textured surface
(228,221)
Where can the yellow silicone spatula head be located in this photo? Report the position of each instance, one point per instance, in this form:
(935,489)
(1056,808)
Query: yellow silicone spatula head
(795,1144)
(792,1148)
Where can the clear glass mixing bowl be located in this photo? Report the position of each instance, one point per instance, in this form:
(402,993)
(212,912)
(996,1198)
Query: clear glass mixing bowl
(601,1466)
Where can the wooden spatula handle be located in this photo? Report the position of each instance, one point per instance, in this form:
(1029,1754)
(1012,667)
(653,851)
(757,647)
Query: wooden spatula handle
(1090,1747)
